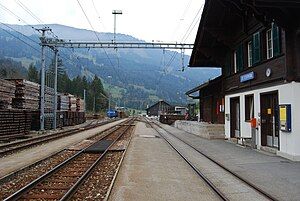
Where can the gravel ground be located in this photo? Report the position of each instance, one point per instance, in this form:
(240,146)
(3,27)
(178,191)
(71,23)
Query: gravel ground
(27,175)
(23,177)
(97,185)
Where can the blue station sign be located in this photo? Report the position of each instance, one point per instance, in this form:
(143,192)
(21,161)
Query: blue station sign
(246,77)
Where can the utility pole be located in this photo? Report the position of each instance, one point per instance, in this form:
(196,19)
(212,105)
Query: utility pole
(94,106)
(43,69)
(115,13)
(84,100)
(55,87)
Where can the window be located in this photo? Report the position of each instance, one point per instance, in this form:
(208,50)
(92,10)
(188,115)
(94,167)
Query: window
(256,48)
(235,62)
(276,35)
(250,61)
(238,59)
(249,107)
(269,39)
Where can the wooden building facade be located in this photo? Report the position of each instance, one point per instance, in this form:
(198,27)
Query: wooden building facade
(257,45)
(161,107)
(211,101)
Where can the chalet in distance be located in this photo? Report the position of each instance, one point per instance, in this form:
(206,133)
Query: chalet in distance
(161,107)
(257,45)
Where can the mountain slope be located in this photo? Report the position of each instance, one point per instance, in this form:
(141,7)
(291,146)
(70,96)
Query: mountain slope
(139,76)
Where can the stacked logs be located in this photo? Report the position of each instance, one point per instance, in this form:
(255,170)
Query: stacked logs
(14,123)
(7,93)
(26,95)
(19,108)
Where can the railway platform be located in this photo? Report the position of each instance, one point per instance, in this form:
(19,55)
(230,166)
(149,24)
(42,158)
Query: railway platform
(152,170)
(278,176)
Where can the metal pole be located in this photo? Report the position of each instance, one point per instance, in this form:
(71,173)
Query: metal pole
(94,100)
(43,70)
(42,95)
(115,20)
(55,88)
(115,13)
(84,100)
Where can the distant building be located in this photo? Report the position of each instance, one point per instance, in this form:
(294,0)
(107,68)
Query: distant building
(161,107)
(180,110)
(211,101)
(257,45)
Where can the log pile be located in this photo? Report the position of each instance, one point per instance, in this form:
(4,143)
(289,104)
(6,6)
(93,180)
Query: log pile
(14,123)
(7,93)
(79,105)
(72,103)
(20,105)
(62,102)
(26,95)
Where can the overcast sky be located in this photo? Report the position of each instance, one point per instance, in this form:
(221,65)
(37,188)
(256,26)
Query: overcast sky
(158,20)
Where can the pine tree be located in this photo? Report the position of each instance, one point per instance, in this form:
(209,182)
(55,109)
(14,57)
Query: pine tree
(33,74)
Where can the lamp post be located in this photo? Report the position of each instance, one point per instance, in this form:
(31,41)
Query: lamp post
(115,13)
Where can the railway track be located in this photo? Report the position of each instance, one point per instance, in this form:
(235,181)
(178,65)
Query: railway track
(223,194)
(62,181)
(24,144)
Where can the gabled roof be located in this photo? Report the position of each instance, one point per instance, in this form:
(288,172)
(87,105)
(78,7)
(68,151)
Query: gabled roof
(161,101)
(221,18)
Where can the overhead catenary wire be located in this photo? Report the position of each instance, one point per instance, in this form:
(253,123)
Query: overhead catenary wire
(17,17)
(29,11)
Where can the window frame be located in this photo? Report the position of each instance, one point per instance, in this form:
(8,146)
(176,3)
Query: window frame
(250,53)
(269,48)
(235,61)
(249,112)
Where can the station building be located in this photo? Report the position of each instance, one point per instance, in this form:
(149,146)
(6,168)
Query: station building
(257,45)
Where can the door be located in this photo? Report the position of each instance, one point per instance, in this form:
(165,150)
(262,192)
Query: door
(234,117)
(269,119)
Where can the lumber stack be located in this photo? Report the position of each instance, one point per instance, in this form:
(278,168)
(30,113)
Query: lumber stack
(49,100)
(72,103)
(26,95)
(7,93)
(62,102)
(79,105)
(14,123)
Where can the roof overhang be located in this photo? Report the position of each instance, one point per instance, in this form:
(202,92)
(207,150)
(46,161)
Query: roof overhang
(221,18)
(202,86)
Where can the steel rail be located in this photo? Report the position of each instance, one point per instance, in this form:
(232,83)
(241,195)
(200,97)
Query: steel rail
(17,146)
(17,195)
(259,190)
(6,177)
(199,173)
(73,189)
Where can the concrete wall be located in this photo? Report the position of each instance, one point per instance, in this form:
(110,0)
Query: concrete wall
(202,129)
(287,94)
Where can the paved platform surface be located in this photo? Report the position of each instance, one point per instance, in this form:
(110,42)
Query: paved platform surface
(152,170)
(24,158)
(278,176)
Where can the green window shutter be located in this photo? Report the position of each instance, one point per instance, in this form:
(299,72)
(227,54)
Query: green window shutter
(276,40)
(240,58)
(256,48)
(227,70)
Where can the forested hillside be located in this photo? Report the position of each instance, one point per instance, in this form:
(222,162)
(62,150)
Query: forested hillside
(137,77)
